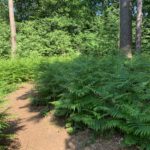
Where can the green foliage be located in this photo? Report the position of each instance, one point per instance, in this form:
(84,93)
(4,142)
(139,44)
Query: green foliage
(56,27)
(102,94)
(146,35)
(47,37)
(70,130)
(101,37)
(16,71)
(3,124)
(31,9)
(63,35)
(5,39)
(55,79)
(4,10)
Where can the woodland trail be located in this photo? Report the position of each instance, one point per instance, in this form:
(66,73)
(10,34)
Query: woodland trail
(34,132)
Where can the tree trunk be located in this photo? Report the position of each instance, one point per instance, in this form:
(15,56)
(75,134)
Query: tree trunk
(13,28)
(139,25)
(126,27)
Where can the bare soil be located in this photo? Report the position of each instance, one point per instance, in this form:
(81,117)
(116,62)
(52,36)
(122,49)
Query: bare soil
(34,132)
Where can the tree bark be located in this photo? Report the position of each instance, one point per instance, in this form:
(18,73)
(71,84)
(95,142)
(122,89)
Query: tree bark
(139,25)
(12,27)
(126,27)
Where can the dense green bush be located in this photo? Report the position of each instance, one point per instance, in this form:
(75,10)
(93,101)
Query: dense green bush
(62,35)
(5,39)
(101,38)
(146,35)
(107,94)
(16,71)
(47,36)
(3,123)
(52,73)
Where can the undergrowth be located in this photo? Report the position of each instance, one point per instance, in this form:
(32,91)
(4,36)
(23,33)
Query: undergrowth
(102,94)
(3,126)
(15,71)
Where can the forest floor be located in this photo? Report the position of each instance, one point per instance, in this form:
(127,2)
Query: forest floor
(34,132)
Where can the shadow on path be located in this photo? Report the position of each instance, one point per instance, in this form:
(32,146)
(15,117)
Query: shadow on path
(35,132)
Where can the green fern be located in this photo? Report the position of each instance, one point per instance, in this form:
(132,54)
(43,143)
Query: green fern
(103,95)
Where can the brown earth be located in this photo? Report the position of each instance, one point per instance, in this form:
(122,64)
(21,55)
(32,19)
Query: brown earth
(34,132)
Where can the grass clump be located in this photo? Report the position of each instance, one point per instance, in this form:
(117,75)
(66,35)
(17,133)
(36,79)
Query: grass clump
(15,71)
(107,94)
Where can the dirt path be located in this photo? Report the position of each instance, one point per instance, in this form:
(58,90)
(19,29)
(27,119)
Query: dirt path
(32,131)
(36,133)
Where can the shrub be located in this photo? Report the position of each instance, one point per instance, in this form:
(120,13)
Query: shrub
(62,35)
(51,77)
(16,71)
(5,39)
(3,126)
(107,94)
(146,36)
(102,36)
(47,37)
(3,123)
